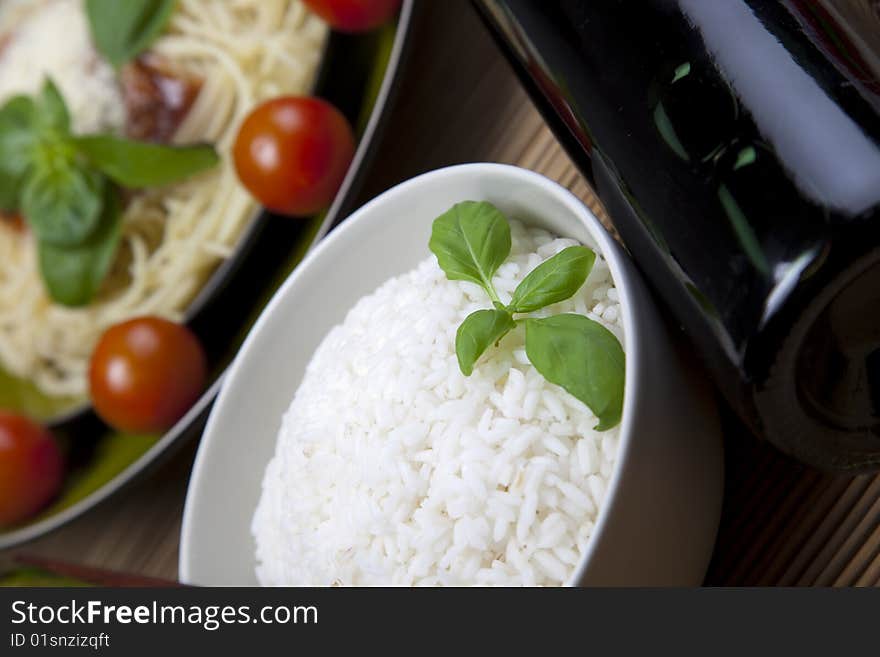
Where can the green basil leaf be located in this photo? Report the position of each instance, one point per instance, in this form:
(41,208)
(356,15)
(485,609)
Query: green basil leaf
(123,29)
(63,203)
(32,134)
(10,190)
(477,333)
(583,357)
(73,275)
(471,240)
(554,280)
(53,110)
(135,164)
(18,134)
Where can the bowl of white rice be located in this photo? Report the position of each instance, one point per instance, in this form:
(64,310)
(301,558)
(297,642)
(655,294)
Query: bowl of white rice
(347,448)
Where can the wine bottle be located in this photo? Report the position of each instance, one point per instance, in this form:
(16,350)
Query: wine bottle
(735,146)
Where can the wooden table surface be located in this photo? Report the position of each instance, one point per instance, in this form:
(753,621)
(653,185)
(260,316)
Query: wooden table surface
(782,523)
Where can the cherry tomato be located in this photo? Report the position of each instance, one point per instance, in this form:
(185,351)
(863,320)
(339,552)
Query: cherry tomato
(31,468)
(145,374)
(292,154)
(354,15)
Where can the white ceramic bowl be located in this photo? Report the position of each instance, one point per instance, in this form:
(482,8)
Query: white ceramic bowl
(660,516)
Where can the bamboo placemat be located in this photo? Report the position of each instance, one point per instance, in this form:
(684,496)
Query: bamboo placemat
(782,522)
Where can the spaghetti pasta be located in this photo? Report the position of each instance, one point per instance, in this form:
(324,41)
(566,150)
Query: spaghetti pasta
(243,51)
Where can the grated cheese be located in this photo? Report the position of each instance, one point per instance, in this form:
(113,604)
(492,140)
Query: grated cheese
(52,38)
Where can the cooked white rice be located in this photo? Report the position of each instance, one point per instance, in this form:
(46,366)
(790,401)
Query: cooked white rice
(393,468)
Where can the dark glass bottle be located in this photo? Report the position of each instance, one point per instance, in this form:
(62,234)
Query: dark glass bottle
(735,145)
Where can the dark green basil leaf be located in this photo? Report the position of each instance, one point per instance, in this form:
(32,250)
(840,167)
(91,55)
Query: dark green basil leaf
(53,110)
(122,30)
(73,275)
(31,133)
(18,134)
(471,240)
(63,203)
(583,357)
(136,164)
(554,280)
(10,190)
(477,333)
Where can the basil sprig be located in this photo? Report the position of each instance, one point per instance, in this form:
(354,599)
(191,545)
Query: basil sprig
(122,29)
(66,188)
(471,241)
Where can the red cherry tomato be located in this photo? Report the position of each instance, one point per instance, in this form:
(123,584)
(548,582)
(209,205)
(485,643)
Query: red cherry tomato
(292,154)
(31,468)
(354,15)
(145,374)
